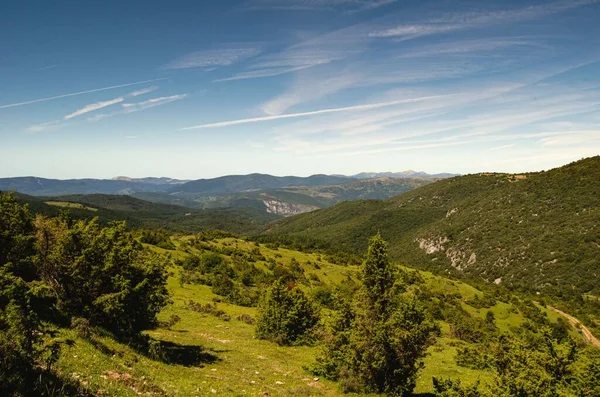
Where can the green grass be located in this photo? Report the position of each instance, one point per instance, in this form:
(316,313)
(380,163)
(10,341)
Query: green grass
(66,204)
(233,362)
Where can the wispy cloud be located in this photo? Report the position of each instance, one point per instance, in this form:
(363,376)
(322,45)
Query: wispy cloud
(11,105)
(305,114)
(254,74)
(471,20)
(298,5)
(142,91)
(93,106)
(502,147)
(139,106)
(48,67)
(163,100)
(49,126)
(225,56)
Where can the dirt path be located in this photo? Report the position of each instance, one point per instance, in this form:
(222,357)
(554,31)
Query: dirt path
(577,324)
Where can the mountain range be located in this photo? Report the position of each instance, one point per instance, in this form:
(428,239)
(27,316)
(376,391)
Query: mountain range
(208,187)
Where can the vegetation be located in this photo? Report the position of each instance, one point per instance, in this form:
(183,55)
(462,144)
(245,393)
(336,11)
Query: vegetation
(379,341)
(285,315)
(86,308)
(143,214)
(58,271)
(533,232)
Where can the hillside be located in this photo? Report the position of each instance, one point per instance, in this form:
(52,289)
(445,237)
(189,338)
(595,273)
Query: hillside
(293,200)
(240,183)
(140,213)
(214,351)
(56,187)
(402,174)
(537,232)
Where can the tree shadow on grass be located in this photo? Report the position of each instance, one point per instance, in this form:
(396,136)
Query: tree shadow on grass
(186,355)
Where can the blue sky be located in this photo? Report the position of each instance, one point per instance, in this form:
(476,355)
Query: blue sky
(296,87)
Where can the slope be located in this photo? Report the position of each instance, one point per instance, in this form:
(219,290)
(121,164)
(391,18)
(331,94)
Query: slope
(240,183)
(140,213)
(538,232)
(217,353)
(295,199)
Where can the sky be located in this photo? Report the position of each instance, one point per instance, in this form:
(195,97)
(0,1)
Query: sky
(200,89)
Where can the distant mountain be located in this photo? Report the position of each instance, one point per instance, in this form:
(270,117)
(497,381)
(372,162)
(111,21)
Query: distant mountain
(56,187)
(538,232)
(151,180)
(155,188)
(402,174)
(294,200)
(242,183)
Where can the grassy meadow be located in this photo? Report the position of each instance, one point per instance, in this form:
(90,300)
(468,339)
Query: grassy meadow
(218,355)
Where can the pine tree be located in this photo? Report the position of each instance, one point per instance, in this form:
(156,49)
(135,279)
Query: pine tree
(379,340)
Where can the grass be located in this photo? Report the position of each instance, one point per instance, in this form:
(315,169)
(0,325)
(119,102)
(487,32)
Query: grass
(65,204)
(212,356)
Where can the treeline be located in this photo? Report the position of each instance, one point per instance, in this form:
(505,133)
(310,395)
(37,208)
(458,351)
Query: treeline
(61,272)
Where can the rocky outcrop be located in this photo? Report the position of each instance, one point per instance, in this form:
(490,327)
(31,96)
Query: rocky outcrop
(287,209)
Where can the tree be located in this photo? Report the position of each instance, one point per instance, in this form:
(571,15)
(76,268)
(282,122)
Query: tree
(102,274)
(20,328)
(379,340)
(285,315)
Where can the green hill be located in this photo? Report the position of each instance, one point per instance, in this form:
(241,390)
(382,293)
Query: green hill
(537,232)
(219,355)
(140,213)
(293,200)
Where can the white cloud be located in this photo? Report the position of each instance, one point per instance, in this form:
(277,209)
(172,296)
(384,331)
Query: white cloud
(93,106)
(142,91)
(49,126)
(225,56)
(298,5)
(502,147)
(254,74)
(139,106)
(136,107)
(471,20)
(77,93)
(305,114)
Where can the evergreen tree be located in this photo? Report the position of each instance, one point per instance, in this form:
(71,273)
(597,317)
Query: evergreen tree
(102,274)
(20,327)
(379,340)
(285,315)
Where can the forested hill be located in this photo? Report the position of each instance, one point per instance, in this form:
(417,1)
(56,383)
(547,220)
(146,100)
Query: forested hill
(140,213)
(536,231)
(240,183)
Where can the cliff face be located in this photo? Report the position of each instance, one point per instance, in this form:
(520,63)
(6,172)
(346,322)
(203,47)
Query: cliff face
(287,209)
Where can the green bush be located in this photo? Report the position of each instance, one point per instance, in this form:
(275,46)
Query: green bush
(101,274)
(285,315)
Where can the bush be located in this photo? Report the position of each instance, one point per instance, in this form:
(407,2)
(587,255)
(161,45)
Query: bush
(246,318)
(285,315)
(101,274)
(159,237)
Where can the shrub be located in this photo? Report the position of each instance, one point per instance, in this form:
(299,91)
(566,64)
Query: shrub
(285,315)
(101,274)
(246,318)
